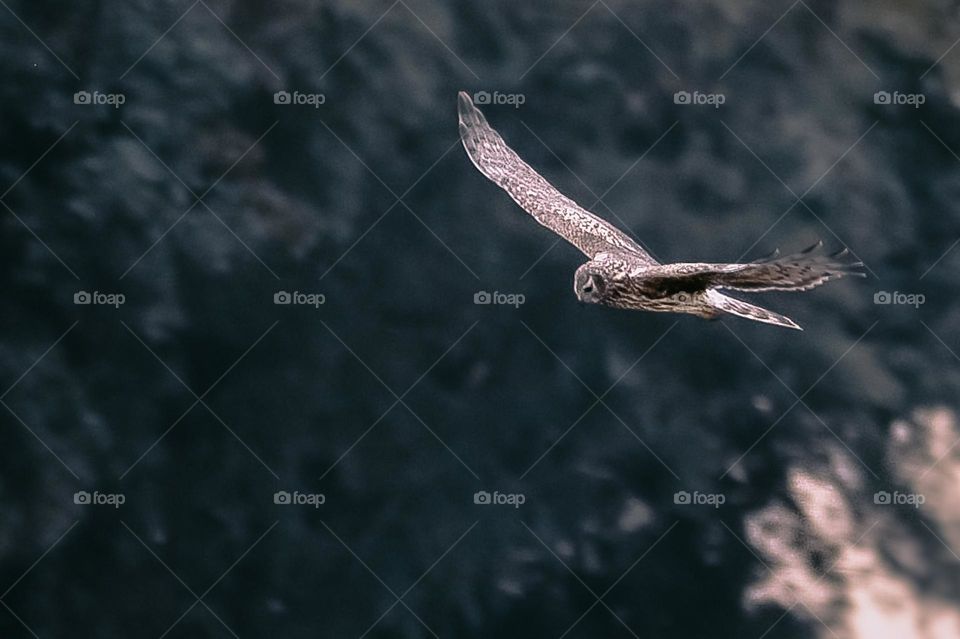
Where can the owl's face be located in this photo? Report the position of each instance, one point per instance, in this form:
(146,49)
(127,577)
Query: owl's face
(591,283)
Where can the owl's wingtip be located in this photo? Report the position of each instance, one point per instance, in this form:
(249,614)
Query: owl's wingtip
(469,115)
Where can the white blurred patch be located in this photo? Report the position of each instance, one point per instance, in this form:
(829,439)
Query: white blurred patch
(856,568)
(634,516)
(762,403)
(924,454)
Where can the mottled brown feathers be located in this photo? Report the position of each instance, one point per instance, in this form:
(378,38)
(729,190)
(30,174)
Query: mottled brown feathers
(620,272)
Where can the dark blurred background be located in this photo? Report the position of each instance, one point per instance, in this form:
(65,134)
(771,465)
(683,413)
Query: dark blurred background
(182,166)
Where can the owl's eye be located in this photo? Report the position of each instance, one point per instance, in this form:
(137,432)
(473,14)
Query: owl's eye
(593,284)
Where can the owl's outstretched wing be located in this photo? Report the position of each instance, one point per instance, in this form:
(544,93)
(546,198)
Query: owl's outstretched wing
(798,272)
(491,155)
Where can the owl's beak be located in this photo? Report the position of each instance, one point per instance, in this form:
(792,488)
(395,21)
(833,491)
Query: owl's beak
(588,288)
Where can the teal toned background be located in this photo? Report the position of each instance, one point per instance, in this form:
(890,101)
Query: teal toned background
(399,398)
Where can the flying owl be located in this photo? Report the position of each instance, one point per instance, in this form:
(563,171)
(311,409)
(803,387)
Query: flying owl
(620,272)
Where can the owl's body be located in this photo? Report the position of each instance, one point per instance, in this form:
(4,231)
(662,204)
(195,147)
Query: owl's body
(637,286)
(620,273)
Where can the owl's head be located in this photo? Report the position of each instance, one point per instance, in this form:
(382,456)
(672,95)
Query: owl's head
(592,282)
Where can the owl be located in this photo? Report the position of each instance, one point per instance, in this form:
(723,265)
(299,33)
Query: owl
(620,273)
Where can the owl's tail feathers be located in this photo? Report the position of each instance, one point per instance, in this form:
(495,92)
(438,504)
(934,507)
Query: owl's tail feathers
(799,272)
(739,308)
